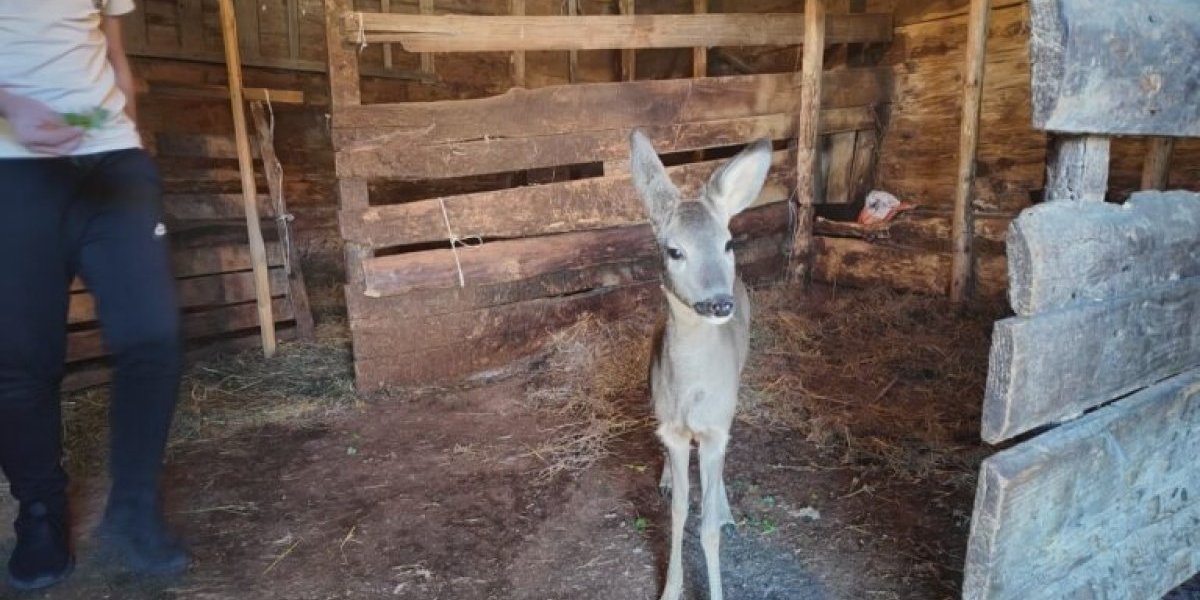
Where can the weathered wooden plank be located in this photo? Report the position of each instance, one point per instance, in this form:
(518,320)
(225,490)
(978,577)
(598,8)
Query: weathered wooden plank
(517,7)
(461,33)
(573,108)
(840,162)
(219,91)
(208,207)
(808,173)
(961,242)
(1077,168)
(1061,254)
(862,172)
(1102,507)
(1053,366)
(1157,163)
(491,338)
(342,56)
(398,159)
(191,25)
(248,30)
(1127,68)
(629,55)
(220,258)
(193,292)
(561,207)
(198,145)
(89,345)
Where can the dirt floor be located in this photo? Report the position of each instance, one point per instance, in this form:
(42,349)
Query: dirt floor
(851,469)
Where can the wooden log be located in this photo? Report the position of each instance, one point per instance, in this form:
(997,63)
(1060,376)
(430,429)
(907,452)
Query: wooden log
(808,185)
(297,292)
(398,159)
(1051,367)
(628,55)
(89,344)
(514,260)
(258,255)
(498,337)
(193,292)
(1102,507)
(425,7)
(857,263)
(572,55)
(1157,163)
(1124,68)
(839,165)
(572,108)
(1077,168)
(700,53)
(962,227)
(218,258)
(462,33)
(342,55)
(1065,254)
(594,203)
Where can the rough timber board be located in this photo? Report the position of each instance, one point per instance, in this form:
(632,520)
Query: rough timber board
(1053,366)
(1129,68)
(194,292)
(597,106)
(1107,506)
(467,33)
(1061,253)
(581,204)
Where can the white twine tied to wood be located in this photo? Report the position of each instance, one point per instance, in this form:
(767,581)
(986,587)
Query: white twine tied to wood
(470,241)
(362,34)
(282,217)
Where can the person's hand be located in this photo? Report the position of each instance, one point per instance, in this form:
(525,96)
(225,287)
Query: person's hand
(38,127)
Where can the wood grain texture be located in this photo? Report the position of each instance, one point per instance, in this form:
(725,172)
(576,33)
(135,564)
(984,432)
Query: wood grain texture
(1157,165)
(342,56)
(462,33)
(1061,254)
(1051,367)
(560,207)
(1130,68)
(808,173)
(961,243)
(839,165)
(1077,168)
(398,159)
(193,292)
(1103,507)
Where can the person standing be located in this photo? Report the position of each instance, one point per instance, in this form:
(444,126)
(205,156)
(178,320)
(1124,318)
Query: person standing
(79,196)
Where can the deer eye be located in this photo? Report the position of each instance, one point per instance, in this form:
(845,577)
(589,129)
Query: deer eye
(675,253)
(729,246)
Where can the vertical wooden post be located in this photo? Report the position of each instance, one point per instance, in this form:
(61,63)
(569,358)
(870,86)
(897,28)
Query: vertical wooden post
(386,7)
(426,8)
(807,159)
(628,56)
(700,54)
(293,29)
(1077,168)
(517,8)
(573,55)
(258,251)
(962,226)
(344,90)
(248,32)
(1157,165)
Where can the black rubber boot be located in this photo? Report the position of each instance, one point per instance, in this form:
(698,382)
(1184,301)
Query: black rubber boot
(42,556)
(135,531)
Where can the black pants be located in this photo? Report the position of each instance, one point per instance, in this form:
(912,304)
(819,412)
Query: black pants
(97,216)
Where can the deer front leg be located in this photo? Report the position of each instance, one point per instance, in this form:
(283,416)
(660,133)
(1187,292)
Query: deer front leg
(664,481)
(714,507)
(678,449)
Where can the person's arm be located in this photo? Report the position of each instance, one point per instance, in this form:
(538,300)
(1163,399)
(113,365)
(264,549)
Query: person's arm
(111,26)
(36,126)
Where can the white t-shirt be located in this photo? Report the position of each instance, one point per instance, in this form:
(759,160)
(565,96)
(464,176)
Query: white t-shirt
(54,51)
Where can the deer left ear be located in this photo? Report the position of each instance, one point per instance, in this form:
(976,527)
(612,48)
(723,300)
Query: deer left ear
(738,182)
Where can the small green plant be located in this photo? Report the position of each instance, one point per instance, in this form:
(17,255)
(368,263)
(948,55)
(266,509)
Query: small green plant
(87,120)
(764,525)
(641,524)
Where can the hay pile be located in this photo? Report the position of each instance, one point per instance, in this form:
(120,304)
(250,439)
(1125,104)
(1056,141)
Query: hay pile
(874,377)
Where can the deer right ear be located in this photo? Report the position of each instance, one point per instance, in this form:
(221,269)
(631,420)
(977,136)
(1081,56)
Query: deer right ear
(650,178)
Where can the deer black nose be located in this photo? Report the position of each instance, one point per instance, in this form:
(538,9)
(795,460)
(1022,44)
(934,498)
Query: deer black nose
(722,306)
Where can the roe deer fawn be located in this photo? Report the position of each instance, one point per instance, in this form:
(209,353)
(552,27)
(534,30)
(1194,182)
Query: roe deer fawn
(699,355)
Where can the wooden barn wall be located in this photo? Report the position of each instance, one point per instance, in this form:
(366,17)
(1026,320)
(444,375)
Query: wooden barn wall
(920,147)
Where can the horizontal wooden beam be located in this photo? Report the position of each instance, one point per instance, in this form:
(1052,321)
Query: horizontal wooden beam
(614,105)
(1123,68)
(193,292)
(583,204)
(222,92)
(289,64)
(515,260)
(221,258)
(1102,507)
(398,160)
(88,344)
(1064,253)
(1053,366)
(459,33)
(207,207)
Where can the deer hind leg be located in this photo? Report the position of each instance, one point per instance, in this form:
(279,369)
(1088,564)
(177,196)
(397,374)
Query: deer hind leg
(714,507)
(678,450)
(664,481)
